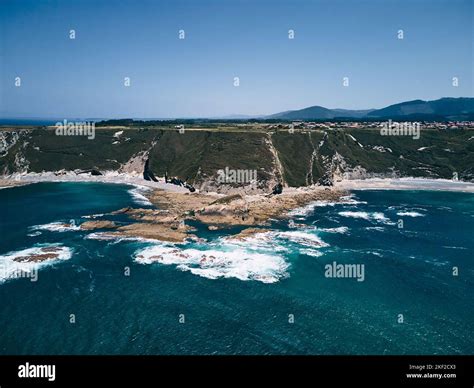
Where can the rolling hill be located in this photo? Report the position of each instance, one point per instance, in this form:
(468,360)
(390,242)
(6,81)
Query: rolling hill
(446,108)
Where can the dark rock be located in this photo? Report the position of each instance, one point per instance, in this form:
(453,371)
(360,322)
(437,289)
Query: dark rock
(176,181)
(147,173)
(189,187)
(277,189)
(92,171)
(179,182)
(326,180)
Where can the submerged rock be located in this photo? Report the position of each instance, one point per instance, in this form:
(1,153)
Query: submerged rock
(47,253)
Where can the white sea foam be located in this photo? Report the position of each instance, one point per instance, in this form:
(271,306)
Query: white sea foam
(375,253)
(259,257)
(57,227)
(94,215)
(323,203)
(350,200)
(380,217)
(311,252)
(410,214)
(301,211)
(106,236)
(308,209)
(340,229)
(138,196)
(215,263)
(363,215)
(10,269)
(376,216)
(303,238)
(377,228)
(277,241)
(262,242)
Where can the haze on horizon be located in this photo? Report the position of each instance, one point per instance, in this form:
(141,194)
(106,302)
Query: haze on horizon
(195,76)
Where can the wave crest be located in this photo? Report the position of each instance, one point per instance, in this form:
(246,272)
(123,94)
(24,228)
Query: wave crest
(213,263)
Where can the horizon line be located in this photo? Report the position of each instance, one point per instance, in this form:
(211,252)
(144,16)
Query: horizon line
(219,117)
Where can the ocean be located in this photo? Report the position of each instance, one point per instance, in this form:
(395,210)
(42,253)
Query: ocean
(277,292)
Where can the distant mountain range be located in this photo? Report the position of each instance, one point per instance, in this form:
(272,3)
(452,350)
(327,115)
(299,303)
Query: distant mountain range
(461,108)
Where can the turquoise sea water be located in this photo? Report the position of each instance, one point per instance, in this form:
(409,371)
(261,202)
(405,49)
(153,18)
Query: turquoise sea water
(218,295)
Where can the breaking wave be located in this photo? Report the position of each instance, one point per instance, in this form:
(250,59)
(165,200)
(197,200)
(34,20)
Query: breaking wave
(311,252)
(21,264)
(138,196)
(303,238)
(105,236)
(308,209)
(214,263)
(340,229)
(260,257)
(410,214)
(376,216)
(94,215)
(57,227)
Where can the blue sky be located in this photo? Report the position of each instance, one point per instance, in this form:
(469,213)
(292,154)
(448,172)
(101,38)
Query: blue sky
(194,77)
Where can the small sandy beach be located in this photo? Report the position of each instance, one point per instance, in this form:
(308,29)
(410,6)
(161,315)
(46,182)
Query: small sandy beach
(70,176)
(406,184)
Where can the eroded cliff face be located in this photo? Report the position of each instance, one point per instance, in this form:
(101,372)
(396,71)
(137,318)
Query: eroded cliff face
(7,141)
(228,162)
(13,145)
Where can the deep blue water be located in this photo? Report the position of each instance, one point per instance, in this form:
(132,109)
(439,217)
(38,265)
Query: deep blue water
(237,297)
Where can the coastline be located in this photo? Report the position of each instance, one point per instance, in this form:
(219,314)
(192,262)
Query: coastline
(175,208)
(175,205)
(136,180)
(406,184)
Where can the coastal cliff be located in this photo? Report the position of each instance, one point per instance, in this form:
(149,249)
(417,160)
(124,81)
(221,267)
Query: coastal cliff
(198,156)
